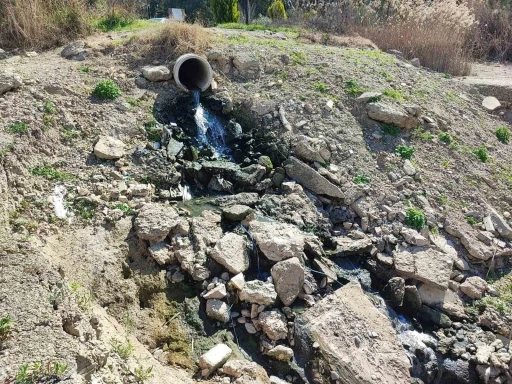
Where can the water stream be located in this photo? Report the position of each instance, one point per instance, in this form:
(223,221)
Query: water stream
(210,129)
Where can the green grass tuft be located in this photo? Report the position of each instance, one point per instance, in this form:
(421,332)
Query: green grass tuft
(49,172)
(394,94)
(353,89)
(404,151)
(481,153)
(17,128)
(362,179)
(503,134)
(107,90)
(415,218)
(390,129)
(445,137)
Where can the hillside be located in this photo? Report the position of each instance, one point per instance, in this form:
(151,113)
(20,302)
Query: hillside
(356,229)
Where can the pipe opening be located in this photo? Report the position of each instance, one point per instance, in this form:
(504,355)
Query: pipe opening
(192,72)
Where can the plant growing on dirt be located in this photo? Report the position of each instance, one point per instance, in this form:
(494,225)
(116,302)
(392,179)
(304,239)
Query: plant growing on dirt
(124,350)
(362,179)
(481,153)
(276,11)
(503,134)
(352,88)
(82,298)
(321,87)
(6,325)
(394,94)
(390,129)
(50,173)
(142,374)
(445,137)
(49,107)
(86,209)
(125,208)
(40,372)
(225,11)
(415,218)
(471,220)
(17,128)
(114,21)
(404,151)
(107,90)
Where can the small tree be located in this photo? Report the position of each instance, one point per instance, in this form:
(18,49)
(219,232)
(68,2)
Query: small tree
(225,11)
(276,11)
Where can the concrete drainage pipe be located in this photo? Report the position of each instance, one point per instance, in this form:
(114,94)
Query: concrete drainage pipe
(193,72)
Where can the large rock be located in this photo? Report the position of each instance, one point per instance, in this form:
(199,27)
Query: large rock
(158,73)
(161,253)
(214,359)
(218,310)
(248,371)
(387,114)
(431,315)
(232,253)
(423,264)
(206,231)
(476,249)
(236,212)
(277,241)
(490,103)
(311,179)
(288,278)
(346,246)
(458,371)
(247,65)
(154,222)
(312,149)
(443,299)
(344,325)
(109,148)
(273,324)
(9,81)
(74,51)
(394,291)
(501,225)
(281,352)
(3,54)
(191,261)
(474,287)
(258,292)
(413,237)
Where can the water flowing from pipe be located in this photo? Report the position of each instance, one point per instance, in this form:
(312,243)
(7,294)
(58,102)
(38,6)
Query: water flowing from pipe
(210,129)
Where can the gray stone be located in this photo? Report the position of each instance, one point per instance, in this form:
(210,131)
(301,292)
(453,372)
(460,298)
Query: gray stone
(412,301)
(424,264)
(232,253)
(277,241)
(218,292)
(435,317)
(288,276)
(309,149)
(281,352)
(154,222)
(214,359)
(174,148)
(273,324)
(490,103)
(218,310)
(161,253)
(500,224)
(9,81)
(394,291)
(74,49)
(416,62)
(109,148)
(3,54)
(413,237)
(390,115)
(157,73)
(475,248)
(444,300)
(474,287)
(369,96)
(258,292)
(409,168)
(247,65)
(236,212)
(311,179)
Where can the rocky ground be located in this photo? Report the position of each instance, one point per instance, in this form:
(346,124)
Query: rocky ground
(359,232)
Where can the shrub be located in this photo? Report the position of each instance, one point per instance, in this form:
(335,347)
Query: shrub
(352,88)
(86,209)
(225,11)
(445,137)
(42,23)
(107,90)
(481,153)
(173,39)
(124,350)
(503,134)
(321,87)
(415,218)
(404,151)
(49,107)
(40,372)
(276,11)
(471,220)
(394,94)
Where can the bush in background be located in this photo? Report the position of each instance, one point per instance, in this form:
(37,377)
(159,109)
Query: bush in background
(276,11)
(225,11)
